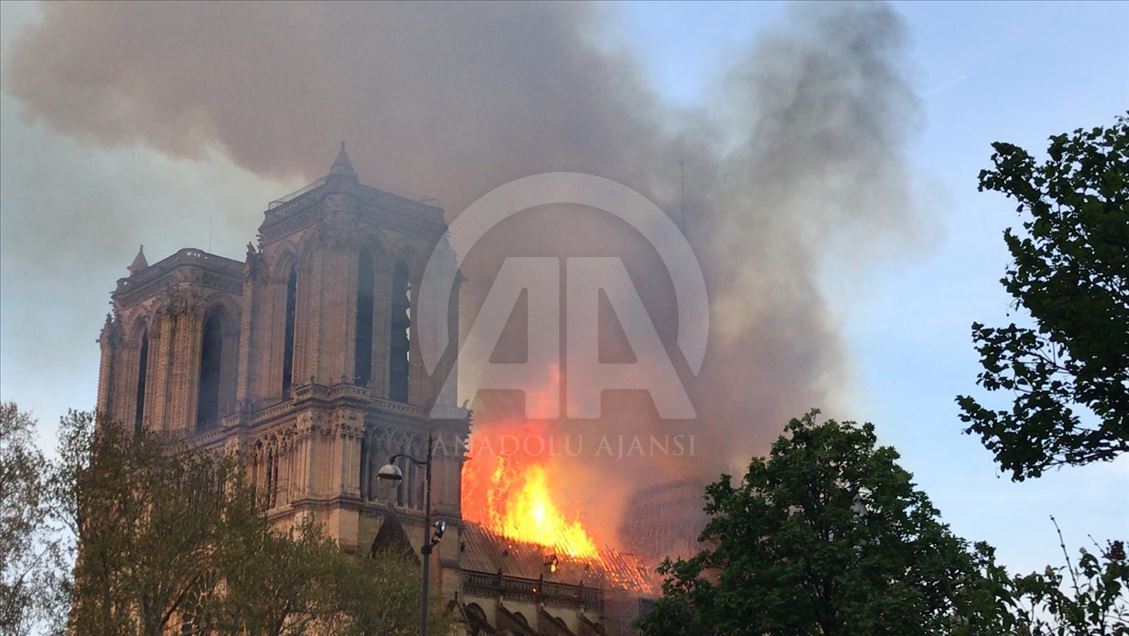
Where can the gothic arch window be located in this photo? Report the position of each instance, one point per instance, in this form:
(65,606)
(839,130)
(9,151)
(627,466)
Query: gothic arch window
(405,468)
(403,487)
(272,476)
(362,365)
(365,461)
(288,332)
(257,457)
(409,484)
(411,488)
(211,366)
(401,324)
(142,373)
(377,445)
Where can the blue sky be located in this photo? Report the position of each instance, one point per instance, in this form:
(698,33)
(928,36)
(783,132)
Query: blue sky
(1015,72)
(986,72)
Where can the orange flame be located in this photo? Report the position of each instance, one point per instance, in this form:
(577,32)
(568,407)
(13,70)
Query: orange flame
(513,495)
(515,492)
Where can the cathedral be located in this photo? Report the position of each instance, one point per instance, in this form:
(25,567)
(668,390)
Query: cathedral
(302,359)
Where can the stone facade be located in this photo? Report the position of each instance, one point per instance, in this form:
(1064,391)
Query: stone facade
(259,358)
(303,360)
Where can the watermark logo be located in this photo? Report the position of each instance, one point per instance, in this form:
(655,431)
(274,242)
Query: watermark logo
(585,279)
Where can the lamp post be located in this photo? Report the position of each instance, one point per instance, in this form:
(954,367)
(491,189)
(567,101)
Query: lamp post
(392,473)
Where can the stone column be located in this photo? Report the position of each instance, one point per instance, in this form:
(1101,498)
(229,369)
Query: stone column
(186,368)
(248,325)
(160,354)
(106,374)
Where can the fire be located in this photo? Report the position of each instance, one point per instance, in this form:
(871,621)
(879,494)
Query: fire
(514,485)
(511,487)
(513,495)
(532,515)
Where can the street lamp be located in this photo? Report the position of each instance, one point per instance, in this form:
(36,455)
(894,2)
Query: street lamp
(391,472)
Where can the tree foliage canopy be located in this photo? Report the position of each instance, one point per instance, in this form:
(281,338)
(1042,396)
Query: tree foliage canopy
(29,559)
(1091,597)
(177,539)
(827,535)
(1070,273)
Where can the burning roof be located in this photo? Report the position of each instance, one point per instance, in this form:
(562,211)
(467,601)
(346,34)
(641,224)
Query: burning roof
(488,552)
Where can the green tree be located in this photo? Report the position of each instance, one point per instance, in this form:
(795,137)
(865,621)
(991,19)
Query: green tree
(270,581)
(148,524)
(29,552)
(1069,272)
(1090,598)
(379,595)
(827,535)
(301,582)
(175,539)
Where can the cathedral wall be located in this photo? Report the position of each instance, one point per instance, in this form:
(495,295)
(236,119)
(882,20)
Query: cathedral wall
(309,445)
(171,320)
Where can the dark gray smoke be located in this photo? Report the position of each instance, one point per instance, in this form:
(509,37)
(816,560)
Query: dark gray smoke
(797,165)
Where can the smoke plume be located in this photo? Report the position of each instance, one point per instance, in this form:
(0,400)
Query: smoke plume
(795,166)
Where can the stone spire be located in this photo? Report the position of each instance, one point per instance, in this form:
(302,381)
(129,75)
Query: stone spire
(341,176)
(342,165)
(139,263)
(111,330)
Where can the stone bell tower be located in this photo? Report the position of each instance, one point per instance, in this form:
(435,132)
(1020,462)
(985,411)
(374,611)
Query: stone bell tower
(303,358)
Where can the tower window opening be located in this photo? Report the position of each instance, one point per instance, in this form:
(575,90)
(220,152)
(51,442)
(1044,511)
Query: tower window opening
(288,333)
(401,323)
(211,362)
(142,372)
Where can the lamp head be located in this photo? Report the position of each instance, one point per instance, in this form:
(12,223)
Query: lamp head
(390,472)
